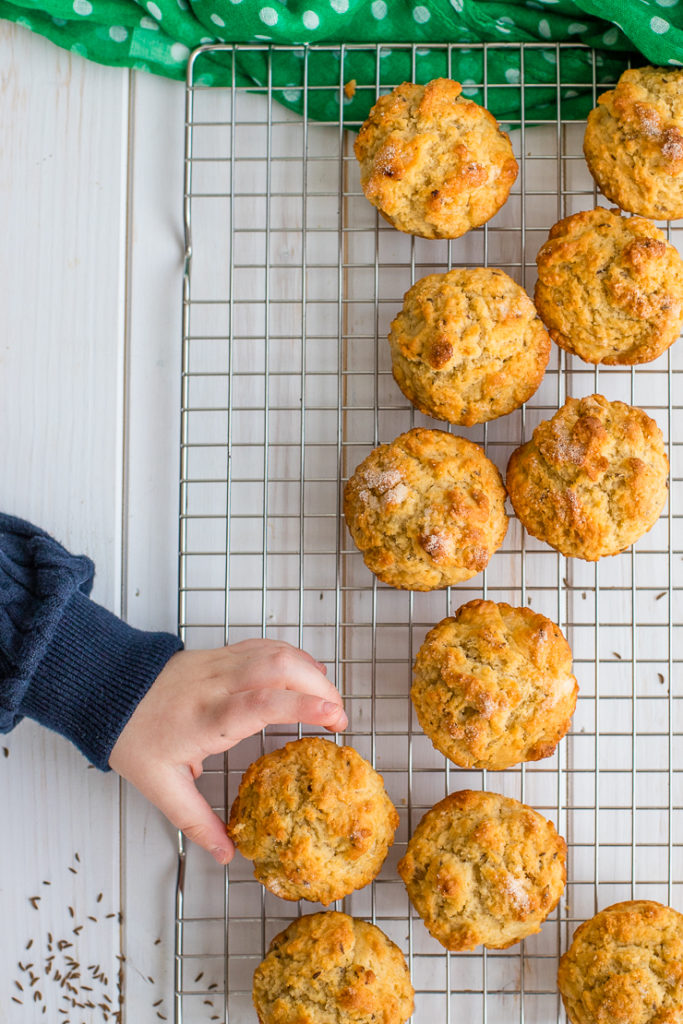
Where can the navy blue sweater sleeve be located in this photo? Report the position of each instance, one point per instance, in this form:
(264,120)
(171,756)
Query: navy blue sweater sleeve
(65,661)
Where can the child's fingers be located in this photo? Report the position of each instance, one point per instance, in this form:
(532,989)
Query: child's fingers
(271,664)
(252,710)
(178,798)
(263,648)
(261,643)
(286,669)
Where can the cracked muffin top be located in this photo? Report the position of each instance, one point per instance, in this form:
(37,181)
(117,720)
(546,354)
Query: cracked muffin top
(493,686)
(434,163)
(427,510)
(468,346)
(625,966)
(610,288)
(330,968)
(634,142)
(315,819)
(483,869)
(592,480)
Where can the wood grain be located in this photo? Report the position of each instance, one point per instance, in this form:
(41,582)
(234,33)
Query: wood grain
(150,567)
(63,125)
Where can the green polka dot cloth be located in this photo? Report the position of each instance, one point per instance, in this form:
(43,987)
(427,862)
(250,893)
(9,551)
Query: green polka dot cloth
(158,35)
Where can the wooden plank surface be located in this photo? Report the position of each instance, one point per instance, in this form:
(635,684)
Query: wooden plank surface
(89,402)
(63,162)
(90,190)
(150,569)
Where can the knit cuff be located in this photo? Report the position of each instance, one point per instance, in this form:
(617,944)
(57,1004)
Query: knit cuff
(93,675)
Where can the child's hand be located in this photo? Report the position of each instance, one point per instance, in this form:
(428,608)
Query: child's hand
(204,702)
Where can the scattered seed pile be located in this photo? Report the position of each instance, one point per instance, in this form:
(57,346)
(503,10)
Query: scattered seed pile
(51,982)
(49,963)
(50,975)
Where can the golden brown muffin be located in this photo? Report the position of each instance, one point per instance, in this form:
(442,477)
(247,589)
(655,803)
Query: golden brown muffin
(591,480)
(468,346)
(426,511)
(494,686)
(483,869)
(315,819)
(330,968)
(434,163)
(610,288)
(625,966)
(634,142)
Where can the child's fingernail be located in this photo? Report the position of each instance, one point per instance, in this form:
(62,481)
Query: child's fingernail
(222,856)
(321,668)
(329,707)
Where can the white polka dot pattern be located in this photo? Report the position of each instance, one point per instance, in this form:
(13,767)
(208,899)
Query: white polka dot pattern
(160,37)
(268,16)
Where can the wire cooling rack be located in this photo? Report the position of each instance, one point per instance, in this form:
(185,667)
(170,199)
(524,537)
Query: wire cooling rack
(291,282)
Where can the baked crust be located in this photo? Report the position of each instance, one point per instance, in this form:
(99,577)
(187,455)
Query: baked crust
(427,510)
(468,346)
(625,966)
(434,163)
(483,869)
(315,819)
(330,968)
(634,142)
(610,288)
(591,480)
(493,686)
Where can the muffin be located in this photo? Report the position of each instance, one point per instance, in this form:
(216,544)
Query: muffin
(434,163)
(315,819)
(426,511)
(468,346)
(591,480)
(625,966)
(493,686)
(330,968)
(483,869)
(610,288)
(634,142)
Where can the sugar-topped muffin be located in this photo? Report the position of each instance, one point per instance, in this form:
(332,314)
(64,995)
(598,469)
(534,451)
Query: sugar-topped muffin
(426,510)
(592,480)
(330,968)
(483,869)
(634,142)
(315,819)
(625,966)
(493,686)
(433,162)
(468,346)
(610,288)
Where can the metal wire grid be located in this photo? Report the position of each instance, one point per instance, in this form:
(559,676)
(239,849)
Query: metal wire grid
(290,283)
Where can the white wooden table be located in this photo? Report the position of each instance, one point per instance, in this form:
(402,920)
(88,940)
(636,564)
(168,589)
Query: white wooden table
(90,201)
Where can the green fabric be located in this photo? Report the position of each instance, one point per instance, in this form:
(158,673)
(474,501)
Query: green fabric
(157,36)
